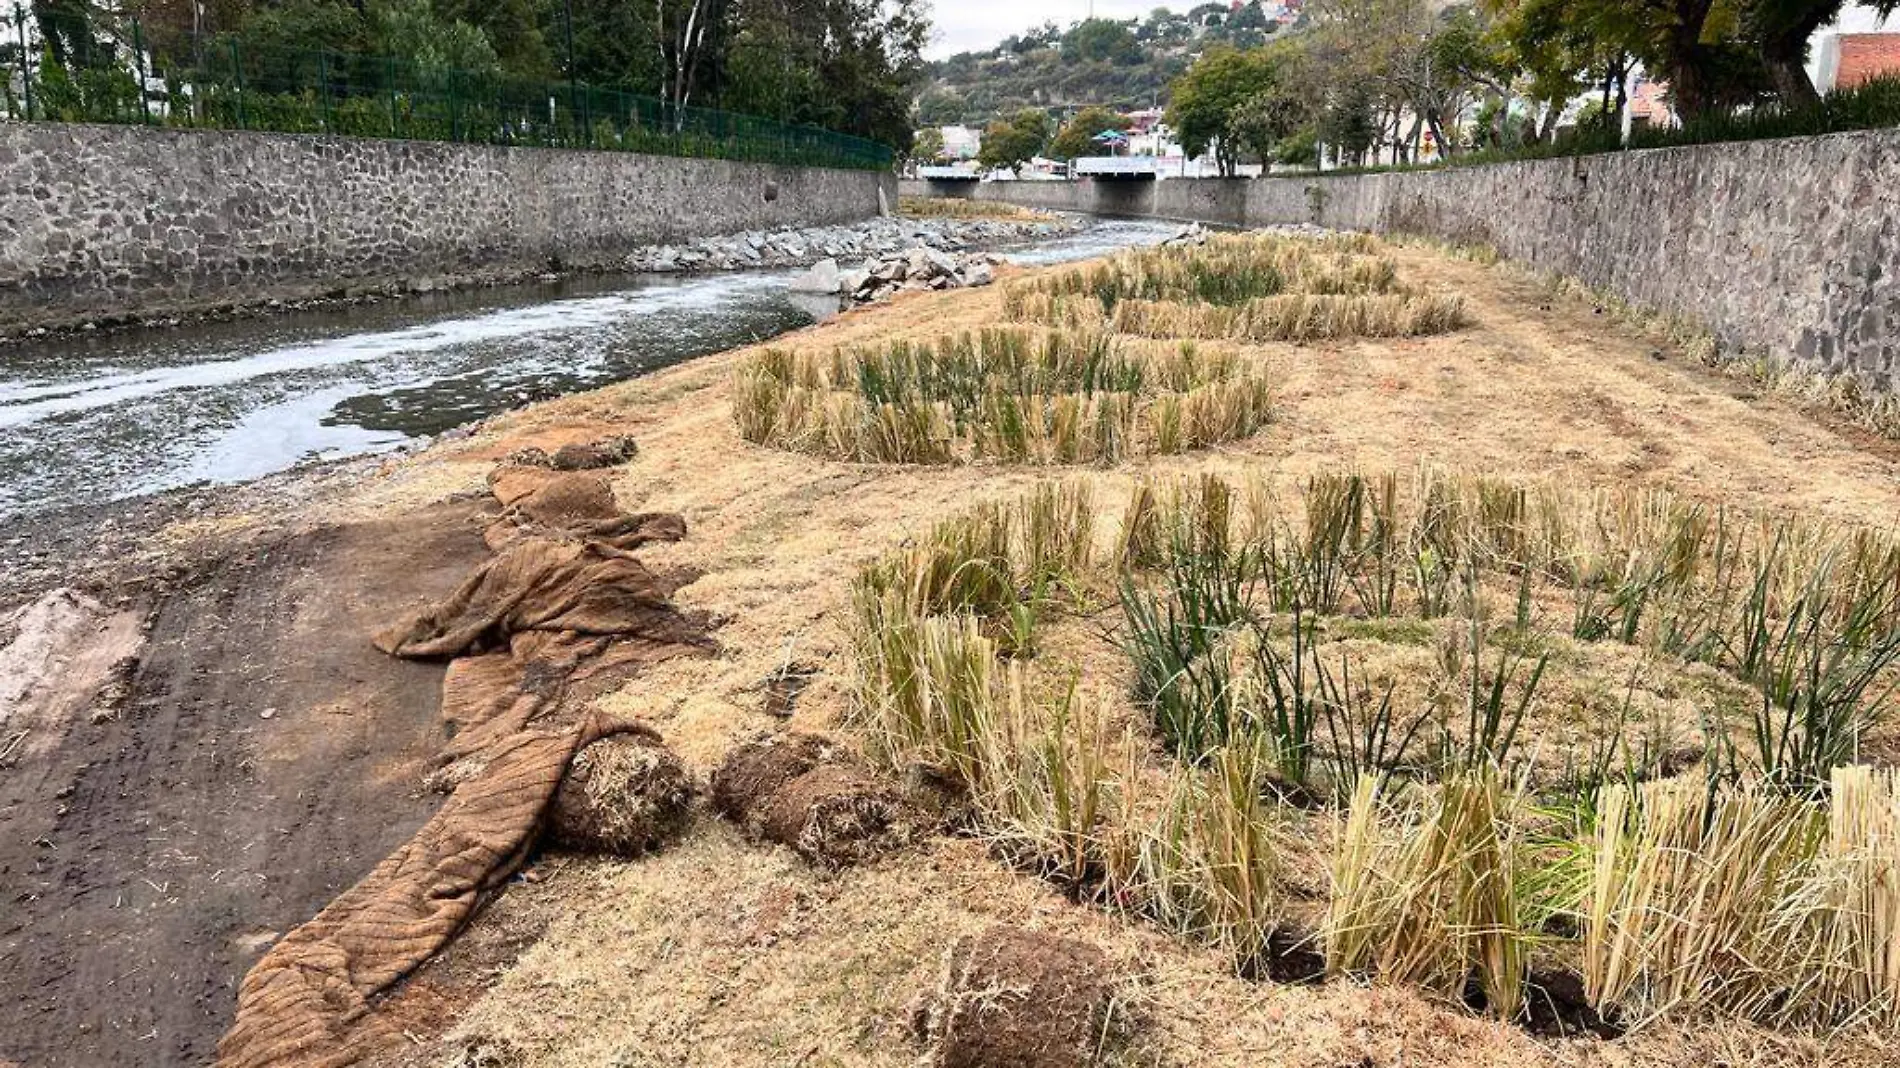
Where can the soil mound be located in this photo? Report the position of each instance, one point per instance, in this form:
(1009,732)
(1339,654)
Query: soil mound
(798,791)
(624,795)
(758,768)
(1011,998)
(562,504)
(580,456)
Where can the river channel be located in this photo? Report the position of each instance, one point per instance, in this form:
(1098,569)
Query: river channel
(86,419)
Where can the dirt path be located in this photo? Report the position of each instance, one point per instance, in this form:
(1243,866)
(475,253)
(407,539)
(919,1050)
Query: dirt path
(265,758)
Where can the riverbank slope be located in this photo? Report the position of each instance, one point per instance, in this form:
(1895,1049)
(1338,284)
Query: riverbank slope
(256,683)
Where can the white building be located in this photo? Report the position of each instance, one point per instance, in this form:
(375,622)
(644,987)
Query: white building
(960,142)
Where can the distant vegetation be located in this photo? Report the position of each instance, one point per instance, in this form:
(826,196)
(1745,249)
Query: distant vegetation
(1409,80)
(850,66)
(1125,64)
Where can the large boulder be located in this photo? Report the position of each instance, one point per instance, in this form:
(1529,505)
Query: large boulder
(823,277)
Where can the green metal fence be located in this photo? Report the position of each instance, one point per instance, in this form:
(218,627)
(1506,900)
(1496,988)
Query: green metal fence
(226,83)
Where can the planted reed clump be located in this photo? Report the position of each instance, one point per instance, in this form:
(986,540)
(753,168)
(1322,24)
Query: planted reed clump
(1805,613)
(1748,899)
(1295,317)
(1224,270)
(928,623)
(1207,866)
(1008,395)
(1424,891)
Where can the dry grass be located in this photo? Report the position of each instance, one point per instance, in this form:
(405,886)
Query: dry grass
(1250,288)
(717,952)
(1295,317)
(1423,880)
(954,208)
(1006,395)
(1750,900)
(1424,891)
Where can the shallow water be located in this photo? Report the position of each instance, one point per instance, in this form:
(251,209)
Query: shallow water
(90,418)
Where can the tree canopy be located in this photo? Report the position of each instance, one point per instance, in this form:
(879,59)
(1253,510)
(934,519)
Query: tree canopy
(847,65)
(1077,136)
(1016,140)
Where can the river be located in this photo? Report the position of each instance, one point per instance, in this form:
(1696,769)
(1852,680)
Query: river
(86,419)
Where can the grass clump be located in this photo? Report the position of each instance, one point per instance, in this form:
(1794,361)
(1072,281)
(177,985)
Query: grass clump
(1748,899)
(1009,395)
(1258,287)
(1222,270)
(1744,887)
(955,208)
(1296,317)
(1424,891)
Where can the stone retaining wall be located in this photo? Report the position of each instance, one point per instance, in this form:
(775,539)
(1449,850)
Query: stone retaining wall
(111,221)
(1789,248)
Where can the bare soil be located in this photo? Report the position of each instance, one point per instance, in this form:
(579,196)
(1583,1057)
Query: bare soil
(262,759)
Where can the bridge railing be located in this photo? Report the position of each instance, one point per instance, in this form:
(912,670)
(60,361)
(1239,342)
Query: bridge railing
(227,83)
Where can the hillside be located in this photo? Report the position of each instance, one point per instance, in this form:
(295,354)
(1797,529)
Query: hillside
(1123,63)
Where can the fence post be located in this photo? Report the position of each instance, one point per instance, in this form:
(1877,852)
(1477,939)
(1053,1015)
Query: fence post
(455,109)
(323,89)
(389,77)
(237,78)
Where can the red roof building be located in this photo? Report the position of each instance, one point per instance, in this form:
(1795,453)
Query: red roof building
(1851,59)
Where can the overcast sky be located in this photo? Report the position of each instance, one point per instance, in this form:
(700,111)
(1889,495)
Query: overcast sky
(978,25)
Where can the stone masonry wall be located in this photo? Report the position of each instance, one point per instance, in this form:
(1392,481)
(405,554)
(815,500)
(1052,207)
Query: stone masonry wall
(1789,248)
(107,221)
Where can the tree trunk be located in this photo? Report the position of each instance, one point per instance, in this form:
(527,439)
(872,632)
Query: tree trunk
(1791,81)
(1549,128)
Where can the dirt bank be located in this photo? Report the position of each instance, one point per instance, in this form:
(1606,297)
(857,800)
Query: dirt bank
(262,757)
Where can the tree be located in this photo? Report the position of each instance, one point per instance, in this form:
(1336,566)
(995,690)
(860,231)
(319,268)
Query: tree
(1101,39)
(1262,121)
(1014,141)
(1781,30)
(411,30)
(1206,96)
(1077,137)
(613,41)
(513,29)
(849,65)
(927,146)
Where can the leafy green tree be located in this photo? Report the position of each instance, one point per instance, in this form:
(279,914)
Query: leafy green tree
(411,30)
(513,29)
(927,146)
(850,65)
(1077,137)
(303,25)
(614,42)
(1347,125)
(1101,39)
(1781,30)
(1262,121)
(1206,96)
(1014,141)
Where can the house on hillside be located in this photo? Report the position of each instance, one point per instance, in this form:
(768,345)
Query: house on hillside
(1847,60)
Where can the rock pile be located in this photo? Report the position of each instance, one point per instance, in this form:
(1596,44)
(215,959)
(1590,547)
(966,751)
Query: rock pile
(917,268)
(871,239)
